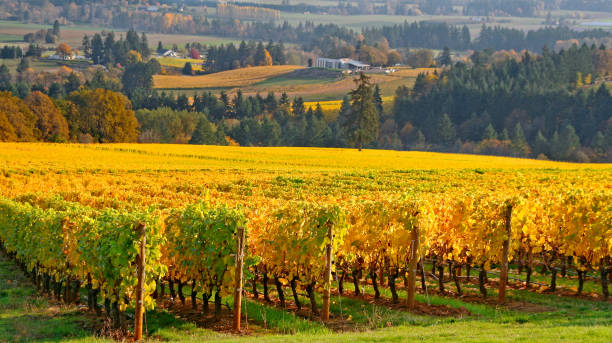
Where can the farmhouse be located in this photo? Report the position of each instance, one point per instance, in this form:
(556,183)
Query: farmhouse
(60,57)
(170,53)
(342,63)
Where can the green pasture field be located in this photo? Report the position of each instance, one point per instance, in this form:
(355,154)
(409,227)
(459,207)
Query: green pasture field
(12,32)
(45,65)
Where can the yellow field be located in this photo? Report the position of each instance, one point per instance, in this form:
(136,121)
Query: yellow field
(331,108)
(180,62)
(225,79)
(71,157)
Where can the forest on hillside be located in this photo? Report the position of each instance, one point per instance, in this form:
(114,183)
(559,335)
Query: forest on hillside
(550,106)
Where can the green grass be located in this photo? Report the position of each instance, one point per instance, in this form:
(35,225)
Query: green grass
(45,65)
(25,316)
(284,80)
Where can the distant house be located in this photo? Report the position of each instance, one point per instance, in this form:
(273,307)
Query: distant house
(59,57)
(341,63)
(153,8)
(170,53)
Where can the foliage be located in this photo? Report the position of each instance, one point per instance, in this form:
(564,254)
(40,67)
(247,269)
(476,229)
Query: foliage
(105,115)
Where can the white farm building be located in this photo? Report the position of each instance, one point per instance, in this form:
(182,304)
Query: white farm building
(341,63)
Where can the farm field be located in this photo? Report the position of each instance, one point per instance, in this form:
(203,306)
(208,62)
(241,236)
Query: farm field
(278,79)
(44,65)
(128,178)
(12,32)
(179,63)
(225,79)
(127,182)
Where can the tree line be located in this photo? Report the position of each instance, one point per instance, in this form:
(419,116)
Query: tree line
(537,106)
(251,53)
(439,35)
(104,48)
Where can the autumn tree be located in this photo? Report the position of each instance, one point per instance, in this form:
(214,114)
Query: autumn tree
(133,57)
(7,132)
(193,53)
(361,126)
(19,117)
(50,122)
(63,50)
(105,115)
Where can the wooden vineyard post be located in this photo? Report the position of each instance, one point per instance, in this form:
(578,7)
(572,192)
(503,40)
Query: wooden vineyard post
(327,277)
(238,278)
(412,266)
(503,276)
(140,289)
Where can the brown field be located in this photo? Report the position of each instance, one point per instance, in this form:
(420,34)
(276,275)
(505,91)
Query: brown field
(336,89)
(225,79)
(311,89)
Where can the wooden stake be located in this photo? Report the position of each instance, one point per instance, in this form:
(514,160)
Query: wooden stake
(503,277)
(412,266)
(238,278)
(140,289)
(327,276)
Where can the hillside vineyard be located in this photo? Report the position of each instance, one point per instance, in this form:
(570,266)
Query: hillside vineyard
(73,221)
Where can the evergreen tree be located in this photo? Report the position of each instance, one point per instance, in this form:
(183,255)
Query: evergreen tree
(378,102)
(97,49)
(187,69)
(144,46)
(270,102)
(86,46)
(318,112)
(137,77)
(271,132)
(565,144)
(284,99)
(362,126)
(445,57)
(72,83)
(598,143)
(419,141)
(446,131)
(5,78)
(345,111)
(260,55)
(489,133)
(505,136)
(56,29)
(298,107)
(56,90)
(519,144)
(204,133)
(24,64)
(221,133)
(160,48)
(540,146)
